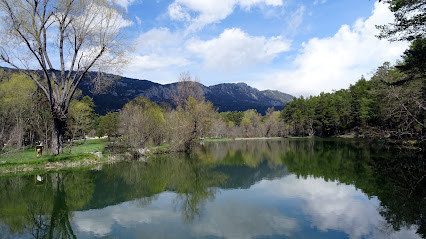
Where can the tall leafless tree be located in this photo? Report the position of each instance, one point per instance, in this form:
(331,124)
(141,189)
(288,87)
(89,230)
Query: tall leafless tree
(63,39)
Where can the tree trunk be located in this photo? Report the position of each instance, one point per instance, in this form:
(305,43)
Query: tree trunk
(58,132)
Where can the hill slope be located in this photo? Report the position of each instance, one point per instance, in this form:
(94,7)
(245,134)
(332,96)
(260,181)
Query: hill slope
(228,96)
(118,90)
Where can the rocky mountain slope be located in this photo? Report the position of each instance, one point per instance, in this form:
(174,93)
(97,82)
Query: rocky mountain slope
(115,91)
(227,96)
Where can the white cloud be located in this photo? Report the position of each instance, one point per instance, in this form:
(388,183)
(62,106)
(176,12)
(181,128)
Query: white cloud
(335,62)
(155,50)
(155,62)
(177,12)
(157,40)
(234,49)
(138,20)
(316,2)
(296,19)
(101,17)
(211,11)
(124,3)
(247,4)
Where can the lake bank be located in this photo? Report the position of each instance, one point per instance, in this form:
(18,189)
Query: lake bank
(82,155)
(93,153)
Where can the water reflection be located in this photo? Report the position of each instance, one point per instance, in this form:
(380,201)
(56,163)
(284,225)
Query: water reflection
(246,189)
(333,206)
(42,209)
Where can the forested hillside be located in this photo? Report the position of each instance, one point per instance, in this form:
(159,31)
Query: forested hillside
(391,104)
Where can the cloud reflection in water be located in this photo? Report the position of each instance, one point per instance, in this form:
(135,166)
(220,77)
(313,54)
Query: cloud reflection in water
(328,206)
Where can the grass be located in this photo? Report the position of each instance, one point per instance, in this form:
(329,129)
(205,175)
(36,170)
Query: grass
(230,139)
(93,145)
(14,160)
(258,138)
(216,139)
(162,149)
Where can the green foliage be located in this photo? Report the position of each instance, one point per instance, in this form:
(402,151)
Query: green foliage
(24,114)
(388,105)
(81,117)
(109,125)
(232,116)
(362,102)
(142,122)
(414,63)
(410,20)
(190,122)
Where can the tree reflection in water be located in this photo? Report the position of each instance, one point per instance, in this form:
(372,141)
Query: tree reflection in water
(402,191)
(45,211)
(397,179)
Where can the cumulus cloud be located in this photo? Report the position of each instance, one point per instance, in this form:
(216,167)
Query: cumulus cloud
(157,49)
(177,12)
(326,64)
(211,11)
(155,62)
(234,49)
(157,40)
(124,3)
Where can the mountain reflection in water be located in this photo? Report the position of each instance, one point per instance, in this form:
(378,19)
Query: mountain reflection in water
(240,189)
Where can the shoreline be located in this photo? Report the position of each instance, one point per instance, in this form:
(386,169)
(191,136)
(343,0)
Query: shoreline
(56,166)
(92,159)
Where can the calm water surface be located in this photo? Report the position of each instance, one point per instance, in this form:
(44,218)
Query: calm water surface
(238,189)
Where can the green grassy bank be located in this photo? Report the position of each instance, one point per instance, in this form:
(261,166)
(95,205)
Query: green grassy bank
(82,154)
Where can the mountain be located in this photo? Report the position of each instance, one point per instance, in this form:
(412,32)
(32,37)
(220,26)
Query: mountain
(116,91)
(225,97)
(278,95)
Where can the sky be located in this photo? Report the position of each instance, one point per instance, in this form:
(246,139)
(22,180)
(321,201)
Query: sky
(300,47)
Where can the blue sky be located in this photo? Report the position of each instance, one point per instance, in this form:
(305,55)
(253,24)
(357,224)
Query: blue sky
(297,47)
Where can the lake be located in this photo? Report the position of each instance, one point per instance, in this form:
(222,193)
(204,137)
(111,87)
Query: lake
(287,188)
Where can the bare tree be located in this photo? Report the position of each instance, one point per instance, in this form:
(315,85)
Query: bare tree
(63,39)
(186,87)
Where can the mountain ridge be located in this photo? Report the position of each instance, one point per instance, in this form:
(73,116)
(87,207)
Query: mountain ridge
(224,96)
(117,90)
